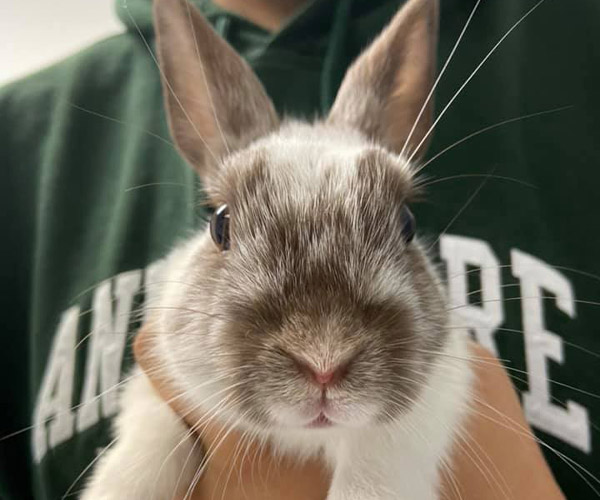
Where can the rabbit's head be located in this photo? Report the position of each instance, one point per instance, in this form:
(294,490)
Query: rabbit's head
(309,301)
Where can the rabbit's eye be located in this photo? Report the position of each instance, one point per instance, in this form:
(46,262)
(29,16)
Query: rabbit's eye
(408,225)
(219,227)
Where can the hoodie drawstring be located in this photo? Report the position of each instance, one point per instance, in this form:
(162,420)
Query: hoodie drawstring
(335,61)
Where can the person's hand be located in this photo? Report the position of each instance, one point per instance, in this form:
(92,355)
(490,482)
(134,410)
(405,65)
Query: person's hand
(496,457)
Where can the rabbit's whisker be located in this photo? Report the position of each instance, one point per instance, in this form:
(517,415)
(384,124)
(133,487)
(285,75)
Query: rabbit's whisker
(472,75)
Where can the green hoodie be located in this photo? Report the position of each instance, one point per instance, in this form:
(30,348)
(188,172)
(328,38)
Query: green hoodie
(94,195)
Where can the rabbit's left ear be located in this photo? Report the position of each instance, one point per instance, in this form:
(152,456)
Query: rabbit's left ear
(385,89)
(215,103)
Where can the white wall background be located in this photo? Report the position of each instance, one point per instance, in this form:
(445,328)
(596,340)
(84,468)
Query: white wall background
(36,33)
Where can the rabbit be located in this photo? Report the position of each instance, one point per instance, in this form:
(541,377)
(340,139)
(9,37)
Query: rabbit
(307,311)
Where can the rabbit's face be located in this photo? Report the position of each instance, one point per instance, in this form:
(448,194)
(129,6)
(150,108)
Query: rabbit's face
(321,304)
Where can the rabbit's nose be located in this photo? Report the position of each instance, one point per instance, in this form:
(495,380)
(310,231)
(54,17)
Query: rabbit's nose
(322,377)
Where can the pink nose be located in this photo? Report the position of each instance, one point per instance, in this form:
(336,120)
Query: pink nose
(321,378)
(324,378)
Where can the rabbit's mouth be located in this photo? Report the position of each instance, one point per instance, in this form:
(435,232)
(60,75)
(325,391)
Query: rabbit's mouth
(324,413)
(320,422)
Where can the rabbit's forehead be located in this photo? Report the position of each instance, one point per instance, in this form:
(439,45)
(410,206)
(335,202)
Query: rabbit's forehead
(327,217)
(305,167)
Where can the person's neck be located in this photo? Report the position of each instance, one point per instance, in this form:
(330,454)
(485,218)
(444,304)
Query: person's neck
(268,14)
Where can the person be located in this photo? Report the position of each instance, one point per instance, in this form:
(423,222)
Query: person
(95,195)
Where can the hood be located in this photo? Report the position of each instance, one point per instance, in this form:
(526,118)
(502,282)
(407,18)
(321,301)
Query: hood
(319,41)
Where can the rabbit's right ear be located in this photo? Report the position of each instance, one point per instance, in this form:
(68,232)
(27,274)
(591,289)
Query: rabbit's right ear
(215,103)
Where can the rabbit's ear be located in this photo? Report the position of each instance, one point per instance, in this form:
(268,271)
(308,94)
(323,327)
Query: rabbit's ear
(384,91)
(215,103)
